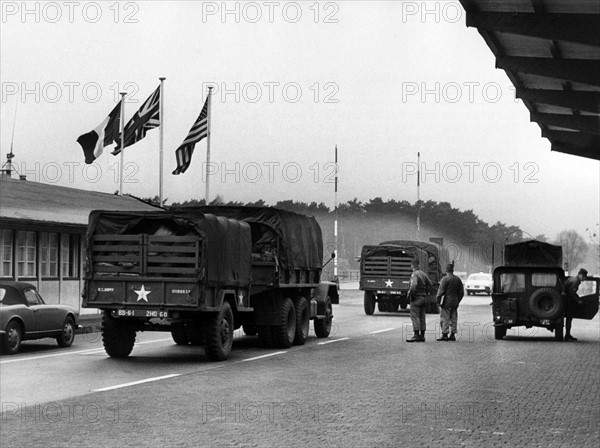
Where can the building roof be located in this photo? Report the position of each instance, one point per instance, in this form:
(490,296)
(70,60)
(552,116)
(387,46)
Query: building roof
(22,200)
(550,50)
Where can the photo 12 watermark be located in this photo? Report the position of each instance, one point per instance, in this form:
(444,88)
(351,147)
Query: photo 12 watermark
(75,172)
(270,172)
(274,91)
(269,412)
(469,172)
(71,412)
(454,92)
(270,12)
(70,12)
(67,91)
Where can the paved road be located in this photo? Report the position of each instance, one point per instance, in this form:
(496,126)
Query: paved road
(362,387)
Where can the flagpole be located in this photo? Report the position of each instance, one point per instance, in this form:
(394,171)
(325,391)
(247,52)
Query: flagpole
(418,196)
(208,132)
(335,227)
(161,140)
(122,126)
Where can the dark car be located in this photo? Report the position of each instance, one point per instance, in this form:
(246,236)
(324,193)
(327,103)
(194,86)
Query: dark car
(24,315)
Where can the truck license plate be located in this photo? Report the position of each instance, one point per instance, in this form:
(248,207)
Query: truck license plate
(140,313)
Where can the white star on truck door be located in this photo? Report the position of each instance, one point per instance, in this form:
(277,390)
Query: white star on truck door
(388,283)
(142,294)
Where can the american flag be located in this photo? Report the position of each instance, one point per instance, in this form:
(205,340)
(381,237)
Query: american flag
(148,117)
(186,149)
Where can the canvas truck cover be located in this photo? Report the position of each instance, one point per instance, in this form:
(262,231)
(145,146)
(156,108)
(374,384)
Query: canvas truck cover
(384,251)
(226,242)
(299,236)
(532,253)
(426,253)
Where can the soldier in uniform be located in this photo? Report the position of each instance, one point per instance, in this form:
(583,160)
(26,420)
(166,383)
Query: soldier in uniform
(420,284)
(449,295)
(571,287)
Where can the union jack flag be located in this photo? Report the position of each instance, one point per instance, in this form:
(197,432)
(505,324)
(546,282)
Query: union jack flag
(148,117)
(198,131)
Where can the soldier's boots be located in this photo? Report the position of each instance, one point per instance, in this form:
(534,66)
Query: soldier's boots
(419,336)
(452,337)
(444,337)
(570,338)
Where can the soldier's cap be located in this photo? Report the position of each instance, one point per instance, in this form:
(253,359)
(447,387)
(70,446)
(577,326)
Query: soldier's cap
(450,267)
(583,272)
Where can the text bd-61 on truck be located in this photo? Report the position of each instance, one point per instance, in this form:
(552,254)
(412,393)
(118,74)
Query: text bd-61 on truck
(200,273)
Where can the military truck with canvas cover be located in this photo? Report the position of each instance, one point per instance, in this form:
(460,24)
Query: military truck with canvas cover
(529,290)
(198,275)
(385,271)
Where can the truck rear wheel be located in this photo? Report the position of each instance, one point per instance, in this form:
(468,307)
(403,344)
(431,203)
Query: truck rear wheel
(180,337)
(323,326)
(285,331)
(118,336)
(218,336)
(369,303)
(302,320)
(499,332)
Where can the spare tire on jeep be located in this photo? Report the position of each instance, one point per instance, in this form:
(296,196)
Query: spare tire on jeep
(546,303)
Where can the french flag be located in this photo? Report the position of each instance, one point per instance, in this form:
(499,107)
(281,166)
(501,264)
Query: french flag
(104,134)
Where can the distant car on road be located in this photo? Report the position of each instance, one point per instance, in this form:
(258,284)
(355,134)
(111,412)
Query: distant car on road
(24,315)
(479,282)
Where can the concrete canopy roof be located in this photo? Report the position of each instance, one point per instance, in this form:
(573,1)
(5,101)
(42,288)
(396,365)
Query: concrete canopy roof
(35,202)
(550,50)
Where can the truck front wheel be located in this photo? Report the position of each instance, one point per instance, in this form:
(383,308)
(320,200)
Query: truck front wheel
(323,326)
(286,330)
(118,336)
(219,334)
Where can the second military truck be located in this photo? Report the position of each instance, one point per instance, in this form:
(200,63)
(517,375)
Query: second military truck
(201,273)
(385,271)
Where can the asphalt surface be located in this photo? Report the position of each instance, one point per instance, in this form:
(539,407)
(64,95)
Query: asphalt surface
(362,387)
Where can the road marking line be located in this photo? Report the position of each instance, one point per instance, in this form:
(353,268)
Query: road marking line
(381,331)
(262,356)
(332,341)
(76,352)
(134,383)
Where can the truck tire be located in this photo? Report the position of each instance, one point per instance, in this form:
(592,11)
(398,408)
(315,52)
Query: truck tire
(180,337)
(369,303)
(285,331)
(302,320)
(218,336)
(323,326)
(67,335)
(499,332)
(265,336)
(546,303)
(118,336)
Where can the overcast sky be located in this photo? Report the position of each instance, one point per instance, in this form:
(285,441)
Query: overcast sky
(381,80)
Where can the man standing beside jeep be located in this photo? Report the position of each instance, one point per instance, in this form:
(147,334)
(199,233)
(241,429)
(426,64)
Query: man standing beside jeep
(420,284)
(449,295)
(572,298)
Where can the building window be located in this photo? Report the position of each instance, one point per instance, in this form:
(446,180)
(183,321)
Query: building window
(49,254)
(6,253)
(26,253)
(70,255)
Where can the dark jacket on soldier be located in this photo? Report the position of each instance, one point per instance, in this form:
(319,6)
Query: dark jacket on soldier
(571,287)
(420,284)
(451,287)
